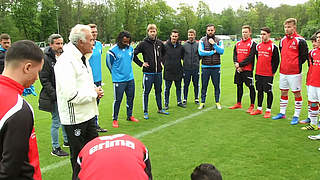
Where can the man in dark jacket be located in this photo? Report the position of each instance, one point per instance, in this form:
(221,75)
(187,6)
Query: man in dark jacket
(173,68)
(152,51)
(210,49)
(5,43)
(48,97)
(191,62)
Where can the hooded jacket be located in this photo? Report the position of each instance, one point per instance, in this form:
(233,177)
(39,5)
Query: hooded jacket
(152,52)
(47,78)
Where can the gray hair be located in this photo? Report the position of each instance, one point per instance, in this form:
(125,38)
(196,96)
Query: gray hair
(53,37)
(78,33)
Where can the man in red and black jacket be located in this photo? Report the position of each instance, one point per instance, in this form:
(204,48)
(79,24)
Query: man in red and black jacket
(19,158)
(243,57)
(294,52)
(267,64)
(118,157)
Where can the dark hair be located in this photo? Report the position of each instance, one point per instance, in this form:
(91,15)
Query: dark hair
(53,37)
(92,25)
(24,50)
(210,25)
(120,37)
(317,32)
(266,29)
(313,37)
(206,172)
(4,36)
(174,31)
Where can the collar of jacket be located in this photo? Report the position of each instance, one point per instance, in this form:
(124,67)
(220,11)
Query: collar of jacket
(150,40)
(170,43)
(2,49)
(50,52)
(292,35)
(75,51)
(211,37)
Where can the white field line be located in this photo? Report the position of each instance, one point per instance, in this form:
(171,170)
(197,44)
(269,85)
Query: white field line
(140,135)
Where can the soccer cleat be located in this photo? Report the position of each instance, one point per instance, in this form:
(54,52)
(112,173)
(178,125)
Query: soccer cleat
(131,118)
(115,124)
(310,127)
(306,121)
(99,129)
(181,105)
(250,109)
(279,116)
(146,115)
(201,106)
(295,120)
(236,106)
(162,111)
(218,106)
(58,152)
(197,101)
(267,114)
(66,144)
(316,137)
(256,112)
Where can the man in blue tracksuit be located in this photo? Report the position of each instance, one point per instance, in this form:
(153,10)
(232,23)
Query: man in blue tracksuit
(119,59)
(152,51)
(95,64)
(191,61)
(210,49)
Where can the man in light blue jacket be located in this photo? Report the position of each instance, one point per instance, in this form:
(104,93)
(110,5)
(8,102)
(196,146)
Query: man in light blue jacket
(119,59)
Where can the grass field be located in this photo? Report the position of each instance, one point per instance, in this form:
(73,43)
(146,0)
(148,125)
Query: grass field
(243,147)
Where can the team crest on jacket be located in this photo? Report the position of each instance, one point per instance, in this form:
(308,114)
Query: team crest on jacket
(269,48)
(77,132)
(248,44)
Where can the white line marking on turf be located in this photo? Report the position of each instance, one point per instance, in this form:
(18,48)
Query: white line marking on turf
(140,135)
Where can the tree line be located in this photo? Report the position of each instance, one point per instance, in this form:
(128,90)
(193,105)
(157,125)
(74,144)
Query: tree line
(37,19)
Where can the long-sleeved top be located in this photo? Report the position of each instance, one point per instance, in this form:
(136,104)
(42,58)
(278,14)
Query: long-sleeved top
(119,156)
(267,58)
(95,61)
(294,52)
(191,58)
(76,95)
(210,54)
(172,61)
(119,62)
(48,81)
(2,56)
(152,52)
(314,75)
(19,157)
(244,54)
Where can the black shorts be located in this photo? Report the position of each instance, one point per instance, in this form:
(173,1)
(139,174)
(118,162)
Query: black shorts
(244,77)
(264,83)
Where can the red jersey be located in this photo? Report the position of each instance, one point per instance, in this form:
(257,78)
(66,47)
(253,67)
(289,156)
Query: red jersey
(294,52)
(310,68)
(116,157)
(19,157)
(243,54)
(314,75)
(267,58)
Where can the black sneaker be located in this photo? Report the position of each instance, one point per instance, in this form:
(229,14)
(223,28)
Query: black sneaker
(59,152)
(196,101)
(166,107)
(99,129)
(181,105)
(66,144)
(184,101)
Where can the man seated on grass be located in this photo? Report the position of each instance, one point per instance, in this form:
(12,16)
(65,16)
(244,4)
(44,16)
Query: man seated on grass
(206,172)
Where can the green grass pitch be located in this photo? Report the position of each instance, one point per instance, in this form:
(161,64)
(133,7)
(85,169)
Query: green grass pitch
(241,146)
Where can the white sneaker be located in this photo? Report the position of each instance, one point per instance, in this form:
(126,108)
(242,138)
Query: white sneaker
(218,106)
(201,106)
(316,137)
